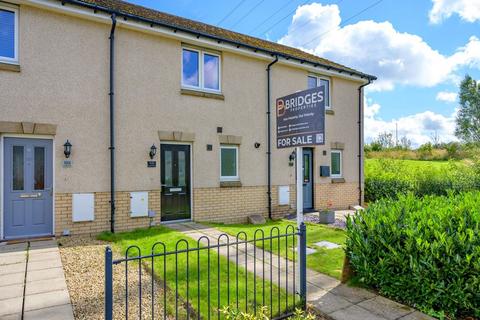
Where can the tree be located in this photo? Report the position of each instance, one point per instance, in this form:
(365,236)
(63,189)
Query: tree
(468,117)
(385,140)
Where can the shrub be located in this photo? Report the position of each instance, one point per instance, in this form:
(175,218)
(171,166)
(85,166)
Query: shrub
(423,252)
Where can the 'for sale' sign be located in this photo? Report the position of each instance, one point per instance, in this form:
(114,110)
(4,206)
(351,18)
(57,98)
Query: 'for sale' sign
(301,118)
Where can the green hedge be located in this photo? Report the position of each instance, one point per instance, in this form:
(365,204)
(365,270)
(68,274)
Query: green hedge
(389,178)
(422,252)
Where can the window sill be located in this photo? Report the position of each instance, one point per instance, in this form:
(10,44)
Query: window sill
(230,184)
(9,66)
(329,111)
(338,180)
(205,94)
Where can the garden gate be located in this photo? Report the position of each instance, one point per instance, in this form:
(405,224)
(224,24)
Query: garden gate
(201,279)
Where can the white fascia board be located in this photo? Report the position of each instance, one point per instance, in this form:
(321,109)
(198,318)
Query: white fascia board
(168,32)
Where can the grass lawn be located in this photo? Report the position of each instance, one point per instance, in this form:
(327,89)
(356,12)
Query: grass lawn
(328,261)
(146,238)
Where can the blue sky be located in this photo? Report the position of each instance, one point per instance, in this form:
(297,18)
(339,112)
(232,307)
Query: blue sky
(419,49)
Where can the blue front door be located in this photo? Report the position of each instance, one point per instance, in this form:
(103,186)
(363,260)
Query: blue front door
(307,179)
(27,185)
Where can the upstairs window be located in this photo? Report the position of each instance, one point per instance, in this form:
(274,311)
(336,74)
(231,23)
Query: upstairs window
(200,70)
(8,34)
(315,81)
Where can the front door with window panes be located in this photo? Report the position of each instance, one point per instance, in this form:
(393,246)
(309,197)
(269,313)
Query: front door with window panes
(307,179)
(27,185)
(175,179)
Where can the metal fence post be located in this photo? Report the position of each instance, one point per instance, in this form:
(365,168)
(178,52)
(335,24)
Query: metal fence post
(108,284)
(303,264)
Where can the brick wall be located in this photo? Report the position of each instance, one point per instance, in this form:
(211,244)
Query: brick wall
(341,195)
(123,221)
(229,205)
(234,205)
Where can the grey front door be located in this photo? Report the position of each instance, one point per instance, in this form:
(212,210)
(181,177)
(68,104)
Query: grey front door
(307,179)
(27,185)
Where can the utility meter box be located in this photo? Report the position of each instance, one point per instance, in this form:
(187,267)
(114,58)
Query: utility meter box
(324,171)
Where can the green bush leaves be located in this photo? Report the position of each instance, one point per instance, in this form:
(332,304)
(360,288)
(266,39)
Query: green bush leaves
(423,252)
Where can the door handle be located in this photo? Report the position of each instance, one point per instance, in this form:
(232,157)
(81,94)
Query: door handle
(30,195)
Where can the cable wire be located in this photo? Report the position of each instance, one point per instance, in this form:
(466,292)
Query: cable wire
(271,16)
(285,17)
(230,13)
(247,14)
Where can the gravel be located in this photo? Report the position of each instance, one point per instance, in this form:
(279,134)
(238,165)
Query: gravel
(83,262)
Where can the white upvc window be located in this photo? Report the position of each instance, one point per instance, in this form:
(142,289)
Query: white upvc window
(229,163)
(336,164)
(8,33)
(201,70)
(316,81)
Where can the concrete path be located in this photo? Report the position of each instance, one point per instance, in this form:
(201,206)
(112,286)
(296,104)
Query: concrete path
(32,283)
(332,298)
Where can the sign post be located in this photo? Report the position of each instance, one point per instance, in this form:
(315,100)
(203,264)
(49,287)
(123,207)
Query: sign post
(301,122)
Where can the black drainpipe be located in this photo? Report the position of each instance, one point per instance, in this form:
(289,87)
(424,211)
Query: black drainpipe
(269,141)
(360,137)
(112,125)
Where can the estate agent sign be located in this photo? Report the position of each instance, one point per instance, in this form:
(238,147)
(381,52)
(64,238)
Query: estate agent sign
(301,118)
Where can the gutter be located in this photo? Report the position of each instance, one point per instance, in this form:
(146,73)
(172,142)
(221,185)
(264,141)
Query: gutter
(112,124)
(269,141)
(198,34)
(360,139)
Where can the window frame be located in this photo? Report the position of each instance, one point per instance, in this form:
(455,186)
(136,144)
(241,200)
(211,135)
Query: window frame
(201,60)
(318,78)
(229,178)
(339,175)
(14,9)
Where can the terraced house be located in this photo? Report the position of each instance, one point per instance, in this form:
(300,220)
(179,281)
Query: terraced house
(114,116)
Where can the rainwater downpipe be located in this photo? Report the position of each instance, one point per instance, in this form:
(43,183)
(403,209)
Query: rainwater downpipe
(360,140)
(112,124)
(269,140)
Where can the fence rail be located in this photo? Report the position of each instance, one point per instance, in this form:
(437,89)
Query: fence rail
(203,277)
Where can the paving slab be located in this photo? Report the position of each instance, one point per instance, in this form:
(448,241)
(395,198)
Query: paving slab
(17,247)
(45,274)
(354,313)
(12,278)
(12,306)
(46,300)
(44,264)
(329,303)
(323,281)
(12,268)
(12,291)
(386,308)
(63,312)
(6,259)
(352,294)
(40,286)
(43,256)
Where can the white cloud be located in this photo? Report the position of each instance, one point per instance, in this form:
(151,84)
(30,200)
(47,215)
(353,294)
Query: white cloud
(419,128)
(376,48)
(446,96)
(468,10)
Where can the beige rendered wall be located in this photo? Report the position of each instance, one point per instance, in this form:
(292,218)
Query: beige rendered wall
(64,81)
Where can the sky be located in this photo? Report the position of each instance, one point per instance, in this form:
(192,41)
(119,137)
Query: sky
(420,50)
